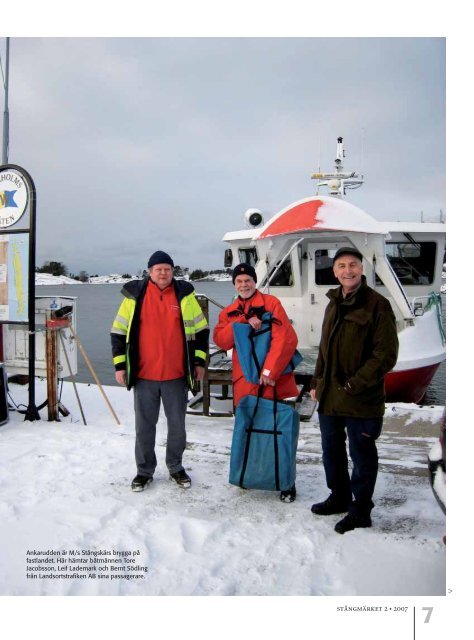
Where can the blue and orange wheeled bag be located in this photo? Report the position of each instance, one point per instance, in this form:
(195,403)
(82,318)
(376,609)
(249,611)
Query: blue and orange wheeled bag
(263,452)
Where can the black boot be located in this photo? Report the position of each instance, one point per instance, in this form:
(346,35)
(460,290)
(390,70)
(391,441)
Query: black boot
(351,522)
(181,478)
(289,495)
(330,506)
(139,483)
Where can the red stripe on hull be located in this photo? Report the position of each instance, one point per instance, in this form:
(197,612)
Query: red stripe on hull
(409,385)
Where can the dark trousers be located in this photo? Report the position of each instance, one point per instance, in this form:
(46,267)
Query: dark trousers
(148,395)
(362,434)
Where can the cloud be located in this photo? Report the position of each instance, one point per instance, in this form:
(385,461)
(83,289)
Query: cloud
(136,143)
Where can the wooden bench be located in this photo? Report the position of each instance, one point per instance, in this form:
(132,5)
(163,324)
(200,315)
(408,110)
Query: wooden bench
(218,373)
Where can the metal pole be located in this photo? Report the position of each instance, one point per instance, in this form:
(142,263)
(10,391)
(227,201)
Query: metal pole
(72,376)
(32,412)
(6,122)
(89,365)
(6,141)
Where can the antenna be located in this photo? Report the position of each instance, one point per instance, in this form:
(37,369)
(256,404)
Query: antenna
(338,181)
(319,159)
(362,141)
(319,163)
(5,112)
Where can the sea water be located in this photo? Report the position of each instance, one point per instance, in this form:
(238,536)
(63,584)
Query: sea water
(97,305)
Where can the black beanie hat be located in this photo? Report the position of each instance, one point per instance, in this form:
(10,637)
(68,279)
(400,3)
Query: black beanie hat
(160,257)
(243,268)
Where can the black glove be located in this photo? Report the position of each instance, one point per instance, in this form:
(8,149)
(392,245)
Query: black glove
(256,312)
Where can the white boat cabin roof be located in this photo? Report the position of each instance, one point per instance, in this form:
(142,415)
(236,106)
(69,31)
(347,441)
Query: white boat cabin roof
(321,213)
(326,213)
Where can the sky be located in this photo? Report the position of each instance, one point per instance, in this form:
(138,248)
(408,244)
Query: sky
(139,144)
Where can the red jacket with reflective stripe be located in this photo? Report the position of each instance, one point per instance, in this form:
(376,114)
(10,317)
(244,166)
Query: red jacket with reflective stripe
(160,343)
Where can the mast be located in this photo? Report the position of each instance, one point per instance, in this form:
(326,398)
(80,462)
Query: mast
(5,112)
(339,181)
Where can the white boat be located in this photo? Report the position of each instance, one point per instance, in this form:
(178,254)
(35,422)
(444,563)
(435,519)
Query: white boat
(292,254)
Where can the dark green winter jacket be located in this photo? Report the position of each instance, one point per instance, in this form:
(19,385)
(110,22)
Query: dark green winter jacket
(359,345)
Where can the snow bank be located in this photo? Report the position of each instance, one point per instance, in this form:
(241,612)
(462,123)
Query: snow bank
(48,279)
(113,278)
(65,487)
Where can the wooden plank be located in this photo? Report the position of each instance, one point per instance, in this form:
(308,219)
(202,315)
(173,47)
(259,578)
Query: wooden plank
(305,408)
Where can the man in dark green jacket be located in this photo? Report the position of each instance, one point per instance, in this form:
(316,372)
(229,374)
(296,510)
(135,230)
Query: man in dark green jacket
(359,345)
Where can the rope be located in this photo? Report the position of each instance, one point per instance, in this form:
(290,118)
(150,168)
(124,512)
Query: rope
(434,299)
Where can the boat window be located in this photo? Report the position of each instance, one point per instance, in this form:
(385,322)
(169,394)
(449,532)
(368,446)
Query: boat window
(413,262)
(323,273)
(283,276)
(248,255)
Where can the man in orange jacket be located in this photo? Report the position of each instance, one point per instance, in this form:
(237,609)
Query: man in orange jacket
(249,307)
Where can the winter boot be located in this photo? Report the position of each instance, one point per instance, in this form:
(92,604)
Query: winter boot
(289,495)
(330,506)
(181,478)
(139,483)
(351,522)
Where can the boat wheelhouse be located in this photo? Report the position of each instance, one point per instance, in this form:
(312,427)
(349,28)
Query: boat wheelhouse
(292,254)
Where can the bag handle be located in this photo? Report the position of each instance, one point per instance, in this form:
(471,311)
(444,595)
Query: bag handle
(258,332)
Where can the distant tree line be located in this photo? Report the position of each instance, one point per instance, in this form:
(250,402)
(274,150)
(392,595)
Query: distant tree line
(198,274)
(54,268)
(60,269)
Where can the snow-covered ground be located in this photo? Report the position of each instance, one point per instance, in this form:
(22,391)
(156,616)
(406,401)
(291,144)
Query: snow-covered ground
(48,279)
(216,277)
(113,278)
(65,488)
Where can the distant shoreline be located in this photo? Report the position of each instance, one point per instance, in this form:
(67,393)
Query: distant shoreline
(50,280)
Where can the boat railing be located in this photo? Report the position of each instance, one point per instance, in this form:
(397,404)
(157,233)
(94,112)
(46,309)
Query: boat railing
(205,307)
(422,304)
(218,373)
(204,301)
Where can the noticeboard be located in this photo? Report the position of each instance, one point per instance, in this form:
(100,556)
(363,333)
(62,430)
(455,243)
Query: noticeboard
(14,277)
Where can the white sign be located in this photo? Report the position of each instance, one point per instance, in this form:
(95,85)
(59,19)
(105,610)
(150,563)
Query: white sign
(13,197)
(14,277)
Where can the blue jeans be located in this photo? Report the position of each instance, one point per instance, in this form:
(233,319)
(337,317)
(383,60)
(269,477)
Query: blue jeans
(362,434)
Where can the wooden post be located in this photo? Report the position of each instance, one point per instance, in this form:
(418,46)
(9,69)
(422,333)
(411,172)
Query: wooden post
(51,370)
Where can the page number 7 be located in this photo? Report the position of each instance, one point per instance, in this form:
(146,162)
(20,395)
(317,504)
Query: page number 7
(429,611)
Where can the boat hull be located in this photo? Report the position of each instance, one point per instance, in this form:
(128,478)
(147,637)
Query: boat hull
(409,385)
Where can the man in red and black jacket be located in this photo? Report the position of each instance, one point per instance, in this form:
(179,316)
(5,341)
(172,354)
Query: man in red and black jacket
(159,345)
